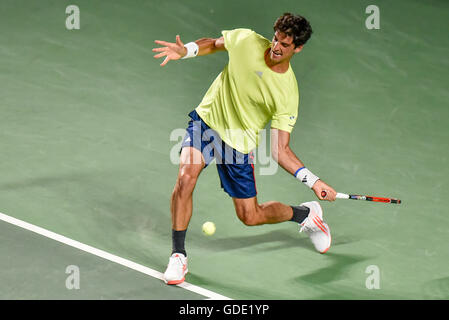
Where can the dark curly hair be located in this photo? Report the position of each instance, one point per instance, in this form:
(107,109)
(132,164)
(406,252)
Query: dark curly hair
(294,25)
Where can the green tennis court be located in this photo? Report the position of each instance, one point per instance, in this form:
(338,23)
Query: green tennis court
(86,118)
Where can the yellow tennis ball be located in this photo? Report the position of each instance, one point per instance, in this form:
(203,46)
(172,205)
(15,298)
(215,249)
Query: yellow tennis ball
(209,228)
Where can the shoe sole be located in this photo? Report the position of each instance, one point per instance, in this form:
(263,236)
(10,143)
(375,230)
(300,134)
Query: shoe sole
(330,242)
(173,282)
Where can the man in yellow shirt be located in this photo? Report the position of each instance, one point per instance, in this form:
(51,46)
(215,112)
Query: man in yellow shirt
(258,85)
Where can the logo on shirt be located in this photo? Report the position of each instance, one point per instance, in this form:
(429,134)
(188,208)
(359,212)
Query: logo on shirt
(259,73)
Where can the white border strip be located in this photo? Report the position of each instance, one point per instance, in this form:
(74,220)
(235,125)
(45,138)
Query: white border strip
(108,256)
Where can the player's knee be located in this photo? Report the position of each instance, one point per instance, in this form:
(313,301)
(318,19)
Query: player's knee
(248,216)
(185,184)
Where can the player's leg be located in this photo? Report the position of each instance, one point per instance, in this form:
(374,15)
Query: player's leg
(309,215)
(239,182)
(190,167)
(196,154)
(251,213)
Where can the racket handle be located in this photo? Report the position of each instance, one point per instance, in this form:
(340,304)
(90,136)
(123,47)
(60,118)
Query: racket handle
(339,195)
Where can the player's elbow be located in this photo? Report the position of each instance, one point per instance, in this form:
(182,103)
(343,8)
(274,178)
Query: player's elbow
(278,153)
(219,44)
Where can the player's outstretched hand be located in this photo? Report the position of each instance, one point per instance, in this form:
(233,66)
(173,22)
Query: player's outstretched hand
(320,186)
(171,51)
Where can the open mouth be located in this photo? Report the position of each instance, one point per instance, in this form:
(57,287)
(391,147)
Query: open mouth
(276,54)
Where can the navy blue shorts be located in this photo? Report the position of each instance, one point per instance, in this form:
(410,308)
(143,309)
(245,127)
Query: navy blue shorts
(235,169)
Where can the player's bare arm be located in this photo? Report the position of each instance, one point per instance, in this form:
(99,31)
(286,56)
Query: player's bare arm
(286,158)
(177,50)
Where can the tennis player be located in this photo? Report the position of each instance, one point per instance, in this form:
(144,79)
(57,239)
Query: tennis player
(256,86)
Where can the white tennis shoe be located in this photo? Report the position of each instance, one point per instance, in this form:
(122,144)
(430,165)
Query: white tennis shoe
(176,269)
(314,226)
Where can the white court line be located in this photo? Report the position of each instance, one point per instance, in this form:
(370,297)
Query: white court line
(108,256)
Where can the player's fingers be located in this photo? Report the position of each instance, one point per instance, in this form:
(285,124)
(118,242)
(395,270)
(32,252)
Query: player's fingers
(328,194)
(163,43)
(178,41)
(159,55)
(160,49)
(167,59)
(321,195)
(331,195)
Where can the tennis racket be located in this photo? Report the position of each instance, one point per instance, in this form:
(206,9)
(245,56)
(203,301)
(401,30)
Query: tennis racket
(366,198)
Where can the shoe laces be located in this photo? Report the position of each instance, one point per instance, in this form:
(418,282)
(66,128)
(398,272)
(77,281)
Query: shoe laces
(305,228)
(176,260)
(309,226)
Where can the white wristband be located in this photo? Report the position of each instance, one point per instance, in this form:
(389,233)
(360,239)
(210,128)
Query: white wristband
(305,176)
(192,50)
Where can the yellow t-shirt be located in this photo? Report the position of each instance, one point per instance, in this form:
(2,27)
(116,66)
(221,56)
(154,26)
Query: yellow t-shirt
(247,94)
